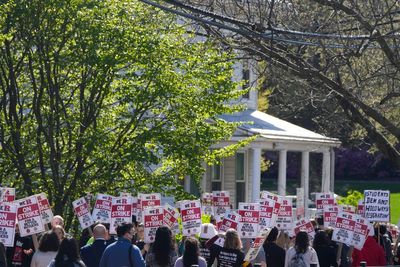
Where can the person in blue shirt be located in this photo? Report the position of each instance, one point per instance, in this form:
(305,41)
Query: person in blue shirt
(122,252)
(91,254)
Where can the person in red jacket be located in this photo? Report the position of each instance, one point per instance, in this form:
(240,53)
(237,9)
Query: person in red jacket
(372,253)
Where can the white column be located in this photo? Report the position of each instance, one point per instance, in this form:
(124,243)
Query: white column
(332,151)
(204,179)
(305,177)
(256,181)
(282,173)
(186,183)
(326,171)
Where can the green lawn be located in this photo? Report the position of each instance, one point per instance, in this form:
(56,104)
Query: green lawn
(342,187)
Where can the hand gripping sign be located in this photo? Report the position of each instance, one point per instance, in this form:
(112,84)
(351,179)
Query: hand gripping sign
(121,211)
(221,202)
(322,200)
(171,218)
(344,228)
(29,217)
(256,245)
(82,211)
(249,219)
(377,205)
(285,215)
(153,218)
(191,217)
(102,208)
(45,209)
(7,194)
(8,216)
(230,220)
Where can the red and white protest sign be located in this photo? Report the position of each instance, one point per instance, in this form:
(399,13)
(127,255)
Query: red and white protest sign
(150,200)
(45,209)
(256,245)
(135,206)
(330,214)
(394,231)
(191,217)
(207,203)
(344,228)
(268,212)
(285,215)
(29,217)
(8,216)
(221,202)
(347,208)
(152,218)
(102,208)
(121,211)
(230,220)
(360,207)
(249,219)
(7,194)
(322,200)
(82,211)
(171,216)
(303,225)
(360,233)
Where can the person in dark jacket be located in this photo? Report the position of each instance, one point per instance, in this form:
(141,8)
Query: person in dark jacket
(21,254)
(91,254)
(326,254)
(274,254)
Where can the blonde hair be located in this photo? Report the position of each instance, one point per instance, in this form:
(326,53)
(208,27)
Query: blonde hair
(232,239)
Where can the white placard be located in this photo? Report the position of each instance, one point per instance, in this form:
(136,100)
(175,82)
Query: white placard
(207,204)
(249,219)
(344,228)
(256,245)
(300,211)
(29,217)
(285,215)
(330,214)
(268,213)
(324,199)
(82,211)
(191,217)
(230,220)
(377,205)
(45,209)
(7,194)
(121,211)
(171,216)
(153,218)
(303,225)
(8,217)
(221,202)
(360,232)
(102,208)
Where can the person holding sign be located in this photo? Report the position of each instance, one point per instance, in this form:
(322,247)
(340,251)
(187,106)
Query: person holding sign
(162,253)
(48,247)
(301,254)
(274,254)
(230,255)
(191,256)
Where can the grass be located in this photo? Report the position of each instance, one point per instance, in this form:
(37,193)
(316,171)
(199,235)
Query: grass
(343,186)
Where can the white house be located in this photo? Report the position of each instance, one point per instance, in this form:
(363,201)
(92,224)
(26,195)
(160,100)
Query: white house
(240,174)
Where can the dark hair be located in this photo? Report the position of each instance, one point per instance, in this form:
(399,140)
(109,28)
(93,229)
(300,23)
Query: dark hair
(67,253)
(192,252)
(163,245)
(321,239)
(273,235)
(124,228)
(49,242)
(302,242)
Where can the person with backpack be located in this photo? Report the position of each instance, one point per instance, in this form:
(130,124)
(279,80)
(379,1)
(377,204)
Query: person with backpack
(301,254)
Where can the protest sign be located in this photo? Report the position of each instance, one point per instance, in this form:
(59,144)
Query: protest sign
(377,205)
(360,207)
(322,200)
(171,218)
(191,217)
(300,201)
(347,208)
(7,194)
(150,200)
(344,228)
(44,207)
(153,218)
(135,206)
(360,232)
(303,225)
(230,220)
(121,211)
(285,215)
(102,208)
(249,219)
(268,212)
(221,202)
(8,216)
(29,217)
(330,214)
(256,245)
(207,203)
(394,231)
(82,211)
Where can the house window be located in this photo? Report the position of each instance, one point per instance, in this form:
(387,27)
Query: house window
(240,178)
(216,178)
(246,77)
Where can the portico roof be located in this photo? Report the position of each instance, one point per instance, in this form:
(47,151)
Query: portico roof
(274,129)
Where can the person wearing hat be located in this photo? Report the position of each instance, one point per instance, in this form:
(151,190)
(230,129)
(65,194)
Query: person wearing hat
(207,232)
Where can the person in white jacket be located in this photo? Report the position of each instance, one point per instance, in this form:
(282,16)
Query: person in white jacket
(301,253)
(48,247)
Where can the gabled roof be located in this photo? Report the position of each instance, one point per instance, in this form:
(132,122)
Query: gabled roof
(275,129)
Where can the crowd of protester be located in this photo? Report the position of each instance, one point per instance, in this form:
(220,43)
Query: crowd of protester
(56,248)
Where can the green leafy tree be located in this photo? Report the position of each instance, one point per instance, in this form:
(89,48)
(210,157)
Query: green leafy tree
(106,96)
